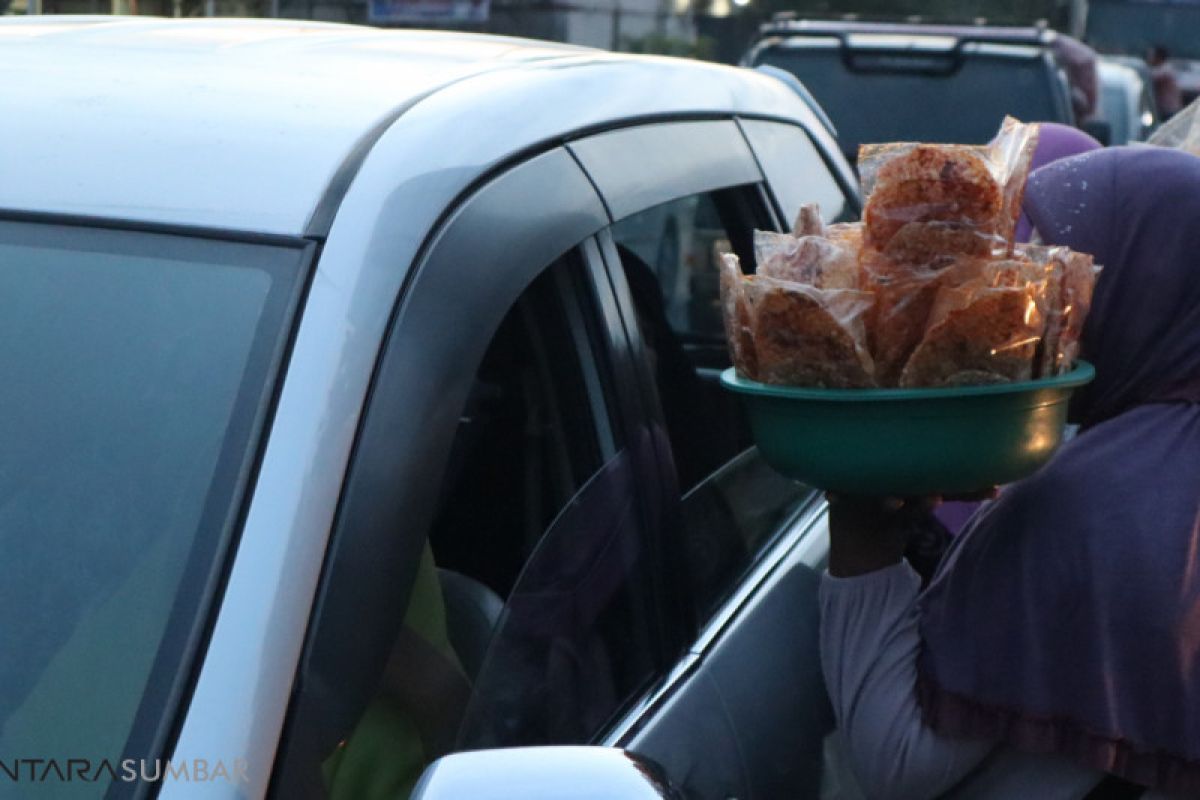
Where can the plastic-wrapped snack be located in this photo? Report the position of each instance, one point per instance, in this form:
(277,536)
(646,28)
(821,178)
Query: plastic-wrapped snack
(925,242)
(1052,261)
(1012,157)
(970,189)
(735,306)
(1079,283)
(928,183)
(811,260)
(808,221)
(980,333)
(809,337)
(1181,131)
(846,234)
(1071,278)
(904,298)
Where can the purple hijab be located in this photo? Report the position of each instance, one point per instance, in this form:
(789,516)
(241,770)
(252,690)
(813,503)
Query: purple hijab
(1055,142)
(1066,618)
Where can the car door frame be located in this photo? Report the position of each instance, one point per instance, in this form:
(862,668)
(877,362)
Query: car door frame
(541,208)
(802,540)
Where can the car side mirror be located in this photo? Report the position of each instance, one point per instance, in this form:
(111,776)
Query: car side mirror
(544,773)
(1100,130)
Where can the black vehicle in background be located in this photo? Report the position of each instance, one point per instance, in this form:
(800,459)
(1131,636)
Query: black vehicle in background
(883,82)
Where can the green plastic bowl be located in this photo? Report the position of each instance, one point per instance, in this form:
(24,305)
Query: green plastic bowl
(909,442)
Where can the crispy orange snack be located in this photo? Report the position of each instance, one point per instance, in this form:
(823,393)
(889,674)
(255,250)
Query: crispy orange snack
(809,337)
(809,260)
(739,333)
(931,183)
(978,334)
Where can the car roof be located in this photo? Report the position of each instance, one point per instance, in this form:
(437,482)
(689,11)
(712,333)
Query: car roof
(250,124)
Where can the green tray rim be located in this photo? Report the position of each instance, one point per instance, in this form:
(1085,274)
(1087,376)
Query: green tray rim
(1082,374)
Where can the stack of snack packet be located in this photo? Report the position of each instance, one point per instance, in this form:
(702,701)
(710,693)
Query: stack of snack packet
(929,290)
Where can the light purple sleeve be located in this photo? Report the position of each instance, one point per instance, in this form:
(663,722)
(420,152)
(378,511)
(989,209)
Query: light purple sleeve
(869,644)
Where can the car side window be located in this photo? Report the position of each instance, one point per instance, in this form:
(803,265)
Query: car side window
(532,619)
(732,503)
(541,507)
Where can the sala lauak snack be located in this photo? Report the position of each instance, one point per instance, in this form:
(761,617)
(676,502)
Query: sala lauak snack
(801,319)
(926,201)
(928,291)
(984,328)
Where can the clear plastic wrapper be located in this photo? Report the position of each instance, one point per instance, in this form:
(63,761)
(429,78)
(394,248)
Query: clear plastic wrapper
(1181,131)
(973,191)
(808,221)
(1079,283)
(928,291)
(811,260)
(979,333)
(1071,279)
(805,336)
(735,306)
(904,296)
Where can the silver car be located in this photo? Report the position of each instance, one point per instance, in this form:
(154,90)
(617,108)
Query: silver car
(343,430)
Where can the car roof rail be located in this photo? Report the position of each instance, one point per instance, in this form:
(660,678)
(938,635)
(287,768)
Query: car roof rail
(978,32)
(897,57)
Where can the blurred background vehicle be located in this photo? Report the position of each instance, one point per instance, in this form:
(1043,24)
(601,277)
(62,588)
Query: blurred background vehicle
(884,82)
(1126,104)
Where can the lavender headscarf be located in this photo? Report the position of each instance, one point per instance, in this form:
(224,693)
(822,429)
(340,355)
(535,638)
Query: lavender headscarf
(1055,142)
(1066,618)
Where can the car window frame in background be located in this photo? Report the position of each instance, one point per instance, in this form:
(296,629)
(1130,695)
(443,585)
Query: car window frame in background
(286,263)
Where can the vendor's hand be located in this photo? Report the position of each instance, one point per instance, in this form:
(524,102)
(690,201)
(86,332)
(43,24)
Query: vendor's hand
(871,533)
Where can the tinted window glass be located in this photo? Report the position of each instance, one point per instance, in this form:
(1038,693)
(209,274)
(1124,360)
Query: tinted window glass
(542,506)
(535,429)
(729,512)
(135,367)
(904,105)
(731,516)
(532,618)
(577,637)
(670,255)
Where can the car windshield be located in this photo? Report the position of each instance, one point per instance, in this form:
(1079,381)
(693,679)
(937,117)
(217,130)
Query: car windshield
(1133,27)
(136,370)
(892,96)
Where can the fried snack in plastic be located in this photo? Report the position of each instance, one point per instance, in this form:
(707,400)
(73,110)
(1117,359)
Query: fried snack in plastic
(809,337)
(1012,158)
(980,332)
(1070,281)
(922,183)
(846,234)
(904,298)
(1079,284)
(811,260)
(739,333)
(969,189)
(809,222)
(1182,131)
(926,242)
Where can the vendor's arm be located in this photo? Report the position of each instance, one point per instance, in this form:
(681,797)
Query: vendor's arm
(869,644)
